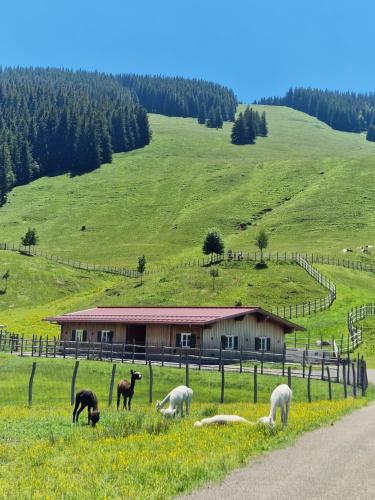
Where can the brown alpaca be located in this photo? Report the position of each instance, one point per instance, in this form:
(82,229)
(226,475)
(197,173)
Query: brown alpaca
(126,389)
(89,399)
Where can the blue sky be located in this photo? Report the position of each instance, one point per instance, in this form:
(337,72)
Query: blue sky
(258,48)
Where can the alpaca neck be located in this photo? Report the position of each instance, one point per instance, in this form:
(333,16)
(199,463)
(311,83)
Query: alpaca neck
(272,414)
(132,383)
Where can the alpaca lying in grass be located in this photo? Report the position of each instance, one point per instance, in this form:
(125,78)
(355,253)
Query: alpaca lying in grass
(280,397)
(223,419)
(177,397)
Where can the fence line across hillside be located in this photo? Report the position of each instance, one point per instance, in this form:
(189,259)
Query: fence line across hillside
(353,373)
(358,313)
(200,357)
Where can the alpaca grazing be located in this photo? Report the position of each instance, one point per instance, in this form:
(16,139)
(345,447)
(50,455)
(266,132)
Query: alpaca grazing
(222,419)
(177,397)
(280,397)
(89,399)
(126,389)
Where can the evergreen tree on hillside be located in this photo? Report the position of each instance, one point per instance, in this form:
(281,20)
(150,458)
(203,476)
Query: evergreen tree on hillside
(371,133)
(6,172)
(238,135)
(250,120)
(213,243)
(263,128)
(346,111)
(202,116)
(55,121)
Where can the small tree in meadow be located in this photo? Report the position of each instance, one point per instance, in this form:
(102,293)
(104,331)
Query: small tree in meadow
(213,243)
(262,243)
(141,266)
(214,272)
(30,239)
(5,277)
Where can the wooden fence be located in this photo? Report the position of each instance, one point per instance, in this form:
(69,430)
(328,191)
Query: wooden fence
(235,360)
(354,375)
(358,314)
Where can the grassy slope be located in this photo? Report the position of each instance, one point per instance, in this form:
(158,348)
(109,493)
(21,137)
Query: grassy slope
(160,200)
(52,454)
(38,288)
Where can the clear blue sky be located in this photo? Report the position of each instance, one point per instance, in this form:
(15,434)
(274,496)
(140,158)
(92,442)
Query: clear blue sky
(258,48)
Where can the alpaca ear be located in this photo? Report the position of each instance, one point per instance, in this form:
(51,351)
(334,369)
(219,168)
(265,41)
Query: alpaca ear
(131,371)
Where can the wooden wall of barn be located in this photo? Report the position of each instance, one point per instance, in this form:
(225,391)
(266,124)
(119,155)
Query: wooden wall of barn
(92,330)
(246,329)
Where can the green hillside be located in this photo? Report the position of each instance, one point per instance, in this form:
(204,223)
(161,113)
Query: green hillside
(311,187)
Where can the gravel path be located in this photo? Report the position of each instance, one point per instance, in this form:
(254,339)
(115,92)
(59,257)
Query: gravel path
(329,463)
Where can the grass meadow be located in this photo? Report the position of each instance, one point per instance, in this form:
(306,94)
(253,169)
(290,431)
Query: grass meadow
(138,454)
(309,186)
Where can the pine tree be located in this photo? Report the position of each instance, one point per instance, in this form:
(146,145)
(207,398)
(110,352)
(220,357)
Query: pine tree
(371,133)
(250,127)
(218,119)
(238,135)
(263,132)
(202,115)
(211,119)
(6,173)
(213,243)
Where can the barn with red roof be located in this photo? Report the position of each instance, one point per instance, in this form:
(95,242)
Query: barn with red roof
(253,328)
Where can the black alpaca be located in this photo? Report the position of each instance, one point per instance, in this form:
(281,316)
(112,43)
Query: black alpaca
(89,399)
(126,389)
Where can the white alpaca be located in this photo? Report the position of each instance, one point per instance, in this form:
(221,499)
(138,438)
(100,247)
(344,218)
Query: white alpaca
(280,397)
(177,397)
(222,419)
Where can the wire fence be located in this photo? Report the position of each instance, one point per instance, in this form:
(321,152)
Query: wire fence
(37,380)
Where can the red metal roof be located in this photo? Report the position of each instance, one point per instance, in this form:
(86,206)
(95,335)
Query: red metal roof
(166,315)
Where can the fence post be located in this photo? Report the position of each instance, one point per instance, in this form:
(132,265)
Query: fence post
(354,385)
(323,363)
(187,374)
(255,384)
(40,346)
(22,345)
(358,370)
(284,356)
(151,381)
(222,384)
(309,385)
(76,353)
(54,347)
(31,380)
(329,384)
(146,353)
(123,351)
(73,384)
(220,356)
(162,355)
(47,346)
(289,377)
(261,362)
(241,359)
(110,395)
(64,348)
(303,363)
(133,354)
(295,338)
(180,358)
(338,368)
(344,378)
(200,357)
